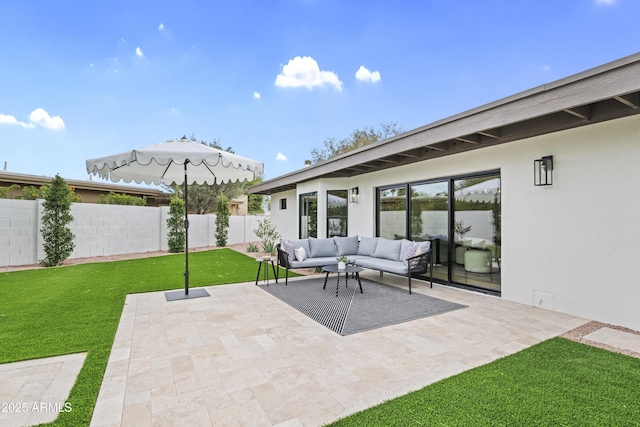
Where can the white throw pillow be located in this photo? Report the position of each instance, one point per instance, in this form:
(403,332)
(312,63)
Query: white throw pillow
(301,254)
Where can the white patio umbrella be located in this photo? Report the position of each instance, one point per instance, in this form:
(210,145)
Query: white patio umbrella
(176,162)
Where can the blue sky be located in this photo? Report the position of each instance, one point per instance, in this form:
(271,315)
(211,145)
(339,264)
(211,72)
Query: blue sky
(273,79)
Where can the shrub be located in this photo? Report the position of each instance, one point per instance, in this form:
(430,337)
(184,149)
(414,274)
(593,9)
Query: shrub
(5,190)
(268,234)
(222,221)
(58,238)
(175,223)
(121,199)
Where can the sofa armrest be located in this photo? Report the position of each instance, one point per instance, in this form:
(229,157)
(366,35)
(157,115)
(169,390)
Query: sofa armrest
(419,264)
(283,257)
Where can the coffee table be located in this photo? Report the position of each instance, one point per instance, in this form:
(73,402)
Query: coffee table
(348,269)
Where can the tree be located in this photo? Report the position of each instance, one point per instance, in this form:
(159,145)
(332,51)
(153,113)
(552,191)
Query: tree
(175,223)
(222,221)
(121,199)
(256,201)
(357,139)
(58,238)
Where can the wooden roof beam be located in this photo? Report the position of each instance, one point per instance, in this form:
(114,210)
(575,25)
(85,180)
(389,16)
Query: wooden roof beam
(583,112)
(631,100)
(468,139)
(495,134)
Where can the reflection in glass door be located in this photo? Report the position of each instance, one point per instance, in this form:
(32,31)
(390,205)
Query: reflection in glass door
(430,221)
(392,212)
(476,244)
(337,213)
(309,215)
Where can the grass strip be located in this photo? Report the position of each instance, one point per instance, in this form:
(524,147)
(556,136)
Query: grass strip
(555,383)
(63,310)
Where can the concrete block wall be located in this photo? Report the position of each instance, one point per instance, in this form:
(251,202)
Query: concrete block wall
(102,230)
(19,231)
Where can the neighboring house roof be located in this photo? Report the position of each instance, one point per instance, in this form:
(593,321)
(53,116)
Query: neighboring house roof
(90,191)
(607,92)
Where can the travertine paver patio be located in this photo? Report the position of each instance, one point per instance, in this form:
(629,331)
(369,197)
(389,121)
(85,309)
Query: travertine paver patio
(243,357)
(33,392)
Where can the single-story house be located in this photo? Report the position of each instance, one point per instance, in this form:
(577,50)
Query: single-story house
(529,198)
(90,191)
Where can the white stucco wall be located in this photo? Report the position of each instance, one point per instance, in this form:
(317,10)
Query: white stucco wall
(569,247)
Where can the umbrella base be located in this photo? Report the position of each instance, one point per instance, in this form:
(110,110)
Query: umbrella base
(193,293)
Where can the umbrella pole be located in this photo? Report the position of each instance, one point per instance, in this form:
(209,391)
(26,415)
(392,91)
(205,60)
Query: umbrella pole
(186,235)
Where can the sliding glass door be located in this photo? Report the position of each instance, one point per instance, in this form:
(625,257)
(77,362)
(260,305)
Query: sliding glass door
(429,216)
(476,227)
(460,216)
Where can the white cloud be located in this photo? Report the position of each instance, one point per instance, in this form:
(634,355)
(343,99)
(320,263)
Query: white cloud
(281,157)
(161,27)
(606,2)
(40,117)
(6,119)
(139,52)
(363,74)
(546,67)
(256,95)
(305,72)
(37,117)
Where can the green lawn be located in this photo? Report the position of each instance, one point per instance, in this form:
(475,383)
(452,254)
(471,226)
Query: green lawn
(65,310)
(555,383)
(62,310)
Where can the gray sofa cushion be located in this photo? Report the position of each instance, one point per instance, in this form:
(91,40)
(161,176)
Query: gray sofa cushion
(367,246)
(388,249)
(397,267)
(298,243)
(314,262)
(321,247)
(346,245)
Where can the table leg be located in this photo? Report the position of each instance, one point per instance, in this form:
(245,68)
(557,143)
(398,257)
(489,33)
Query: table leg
(359,283)
(274,271)
(325,281)
(258,276)
(265,274)
(338,284)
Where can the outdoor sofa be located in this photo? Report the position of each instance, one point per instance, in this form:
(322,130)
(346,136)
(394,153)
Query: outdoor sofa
(402,257)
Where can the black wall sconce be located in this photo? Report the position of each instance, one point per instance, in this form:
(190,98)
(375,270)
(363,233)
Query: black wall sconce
(353,195)
(543,171)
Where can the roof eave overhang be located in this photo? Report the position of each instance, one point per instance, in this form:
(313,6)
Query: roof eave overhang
(603,93)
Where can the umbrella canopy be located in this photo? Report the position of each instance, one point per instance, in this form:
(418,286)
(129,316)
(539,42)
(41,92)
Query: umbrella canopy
(164,163)
(178,161)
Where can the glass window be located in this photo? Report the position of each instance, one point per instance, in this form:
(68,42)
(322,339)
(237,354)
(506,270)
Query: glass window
(337,213)
(309,215)
(392,212)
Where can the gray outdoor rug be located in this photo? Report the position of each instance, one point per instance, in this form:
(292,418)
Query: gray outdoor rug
(352,312)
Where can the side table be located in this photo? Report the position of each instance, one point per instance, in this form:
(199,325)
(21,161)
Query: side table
(265,272)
